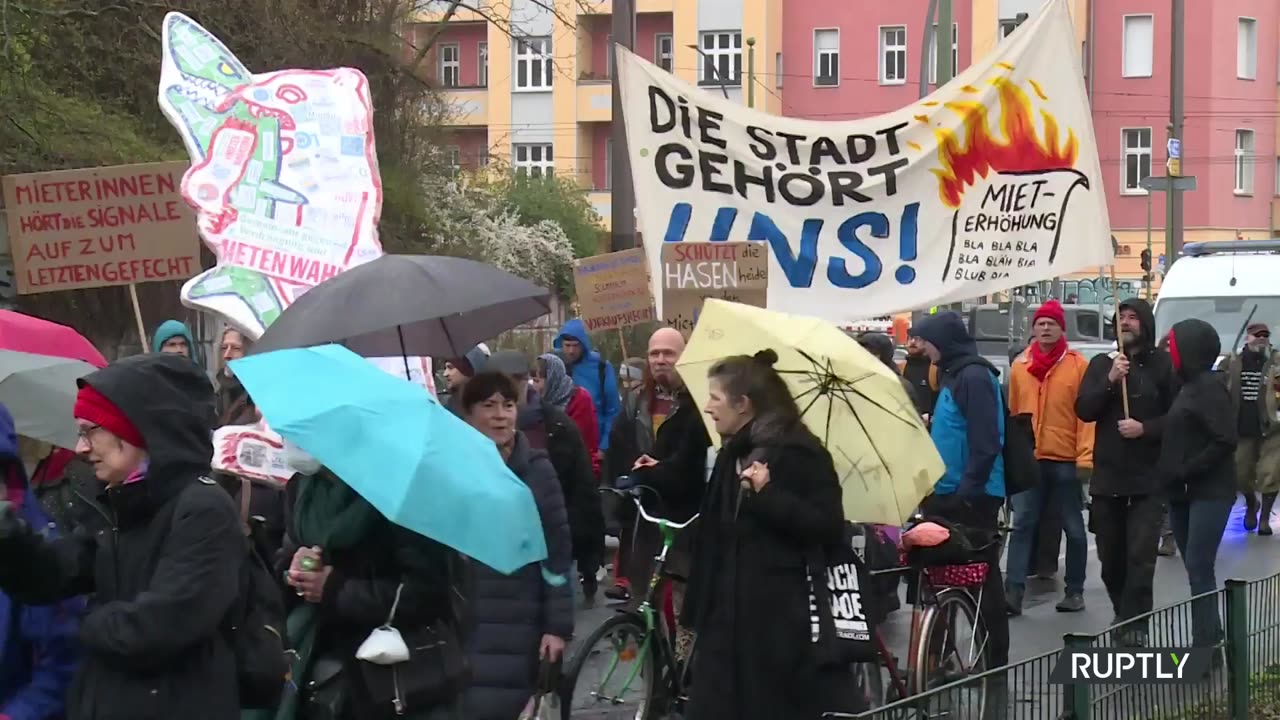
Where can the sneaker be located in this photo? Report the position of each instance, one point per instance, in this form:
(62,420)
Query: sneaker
(1168,548)
(1013,601)
(1072,602)
(618,593)
(1250,513)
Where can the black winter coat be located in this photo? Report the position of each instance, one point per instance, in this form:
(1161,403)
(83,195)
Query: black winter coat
(164,577)
(1197,457)
(748,594)
(361,588)
(511,613)
(568,455)
(1120,466)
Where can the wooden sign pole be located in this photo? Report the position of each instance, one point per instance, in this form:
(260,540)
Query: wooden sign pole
(137,316)
(1124,381)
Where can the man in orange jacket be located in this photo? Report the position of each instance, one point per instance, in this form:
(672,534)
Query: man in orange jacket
(1043,381)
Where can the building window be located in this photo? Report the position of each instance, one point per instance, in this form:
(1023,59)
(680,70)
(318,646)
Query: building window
(664,51)
(1007,26)
(933,52)
(721,58)
(1137,159)
(535,160)
(449,65)
(1138,39)
(533,63)
(608,165)
(777,71)
(482,67)
(1247,49)
(453,157)
(1244,162)
(893,55)
(826,57)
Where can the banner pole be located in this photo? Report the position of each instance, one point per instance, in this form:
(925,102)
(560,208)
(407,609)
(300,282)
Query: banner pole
(137,316)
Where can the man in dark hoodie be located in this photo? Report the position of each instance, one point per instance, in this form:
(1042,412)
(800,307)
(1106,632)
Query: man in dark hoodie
(1127,502)
(548,428)
(165,578)
(1197,466)
(1251,378)
(968,431)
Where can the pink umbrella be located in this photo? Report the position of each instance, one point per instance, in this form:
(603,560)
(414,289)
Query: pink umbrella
(27,334)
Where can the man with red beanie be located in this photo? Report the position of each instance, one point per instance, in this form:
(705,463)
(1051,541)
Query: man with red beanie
(1043,382)
(164,579)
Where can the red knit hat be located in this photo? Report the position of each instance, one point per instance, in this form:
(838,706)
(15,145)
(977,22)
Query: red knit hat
(1052,310)
(94,407)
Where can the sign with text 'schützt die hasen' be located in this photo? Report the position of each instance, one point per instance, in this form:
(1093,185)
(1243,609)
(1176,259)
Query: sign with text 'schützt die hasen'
(693,272)
(98,227)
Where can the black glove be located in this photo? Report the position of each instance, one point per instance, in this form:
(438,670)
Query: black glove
(11,525)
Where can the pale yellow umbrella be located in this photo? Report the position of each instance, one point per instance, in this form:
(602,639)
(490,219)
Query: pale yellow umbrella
(883,455)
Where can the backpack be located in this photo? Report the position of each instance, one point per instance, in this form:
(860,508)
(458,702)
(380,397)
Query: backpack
(256,624)
(1021,469)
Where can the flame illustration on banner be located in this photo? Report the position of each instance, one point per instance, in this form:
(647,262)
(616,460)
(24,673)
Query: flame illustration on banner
(1016,147)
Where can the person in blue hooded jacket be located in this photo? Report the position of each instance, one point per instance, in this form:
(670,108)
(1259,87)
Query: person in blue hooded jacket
(39,647)
(175,338)
(591,372)
(967,427)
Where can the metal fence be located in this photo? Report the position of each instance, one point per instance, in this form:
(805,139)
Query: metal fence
(1243,683)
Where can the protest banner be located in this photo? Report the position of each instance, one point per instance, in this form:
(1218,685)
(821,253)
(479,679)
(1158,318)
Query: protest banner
(98,227)
(692,272)
(613,290)
(284,178)
(991,182)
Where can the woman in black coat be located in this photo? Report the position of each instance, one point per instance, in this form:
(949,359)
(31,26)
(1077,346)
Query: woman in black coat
(527,616)
(774,499)
(360,561)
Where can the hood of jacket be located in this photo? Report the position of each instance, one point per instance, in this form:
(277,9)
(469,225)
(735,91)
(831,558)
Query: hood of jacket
(575,329)
(170,329)
(1146,321)
(880,345)
(1194,347)
(946,331)
(170,401)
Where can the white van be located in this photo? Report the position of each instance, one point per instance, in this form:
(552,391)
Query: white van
(1220,283)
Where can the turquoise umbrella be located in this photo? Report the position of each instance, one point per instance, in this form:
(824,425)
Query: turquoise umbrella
(395,445)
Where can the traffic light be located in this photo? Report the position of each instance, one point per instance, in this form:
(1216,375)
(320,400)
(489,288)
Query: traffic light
(1146,260)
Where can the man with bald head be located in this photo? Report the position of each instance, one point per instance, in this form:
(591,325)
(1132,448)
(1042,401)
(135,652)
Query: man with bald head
(659,441)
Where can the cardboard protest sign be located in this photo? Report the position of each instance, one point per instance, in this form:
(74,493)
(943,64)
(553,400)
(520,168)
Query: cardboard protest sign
(284,178)
(692,272)
(252,452)
(991,182)
(99,227)
(613,290)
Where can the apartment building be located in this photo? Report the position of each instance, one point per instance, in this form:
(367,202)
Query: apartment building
(534,87)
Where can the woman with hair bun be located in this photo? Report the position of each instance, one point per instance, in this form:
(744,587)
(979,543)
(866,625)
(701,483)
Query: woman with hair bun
(773,499)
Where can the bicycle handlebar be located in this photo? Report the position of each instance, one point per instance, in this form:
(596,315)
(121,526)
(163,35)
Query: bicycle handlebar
(636,493)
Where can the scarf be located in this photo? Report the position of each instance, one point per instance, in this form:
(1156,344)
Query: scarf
(1042,362)
(328,513)
(557,386)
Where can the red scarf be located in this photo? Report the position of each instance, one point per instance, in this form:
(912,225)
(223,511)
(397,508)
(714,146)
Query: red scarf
(1042,362)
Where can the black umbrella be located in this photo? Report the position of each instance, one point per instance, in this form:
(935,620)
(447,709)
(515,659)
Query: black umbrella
(409,305)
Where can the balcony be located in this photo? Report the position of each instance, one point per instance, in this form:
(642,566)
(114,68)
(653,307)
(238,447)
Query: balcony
(605,7)
(469,107)
(595,99)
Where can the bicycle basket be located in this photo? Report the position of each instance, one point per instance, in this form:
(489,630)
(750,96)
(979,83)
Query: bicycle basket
(970,575)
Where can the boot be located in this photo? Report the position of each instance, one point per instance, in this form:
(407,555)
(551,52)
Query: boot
(1013,600)
(1250,512)
(1264,518)
(1168,547)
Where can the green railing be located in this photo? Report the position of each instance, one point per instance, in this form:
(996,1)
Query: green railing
(1245,685)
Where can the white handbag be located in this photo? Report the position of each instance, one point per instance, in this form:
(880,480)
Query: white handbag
(384,646)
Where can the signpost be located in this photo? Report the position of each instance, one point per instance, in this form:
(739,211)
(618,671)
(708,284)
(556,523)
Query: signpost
(1173,181)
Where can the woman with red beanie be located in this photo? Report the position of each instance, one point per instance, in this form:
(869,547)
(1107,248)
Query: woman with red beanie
(165,578)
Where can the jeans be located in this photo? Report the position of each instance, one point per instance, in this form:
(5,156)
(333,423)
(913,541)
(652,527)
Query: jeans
(1197,528)
(1128,530)
(1062,478)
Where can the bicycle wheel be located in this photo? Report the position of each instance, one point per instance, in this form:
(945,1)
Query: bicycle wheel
(614,674)
(947,654)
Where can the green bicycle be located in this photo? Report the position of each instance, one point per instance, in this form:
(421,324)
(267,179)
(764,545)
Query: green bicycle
(634,645)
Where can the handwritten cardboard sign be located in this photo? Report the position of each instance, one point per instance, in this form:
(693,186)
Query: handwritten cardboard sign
(695,271)
(251,451)
(98,227)
(613,290)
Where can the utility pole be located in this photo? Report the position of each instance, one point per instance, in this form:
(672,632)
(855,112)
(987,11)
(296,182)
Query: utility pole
(1173,221)
(751,72)
(622,233)
(942,42)
(924,48)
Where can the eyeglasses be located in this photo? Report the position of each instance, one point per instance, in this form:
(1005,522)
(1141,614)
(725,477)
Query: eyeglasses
(86,431)
(1263,335)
